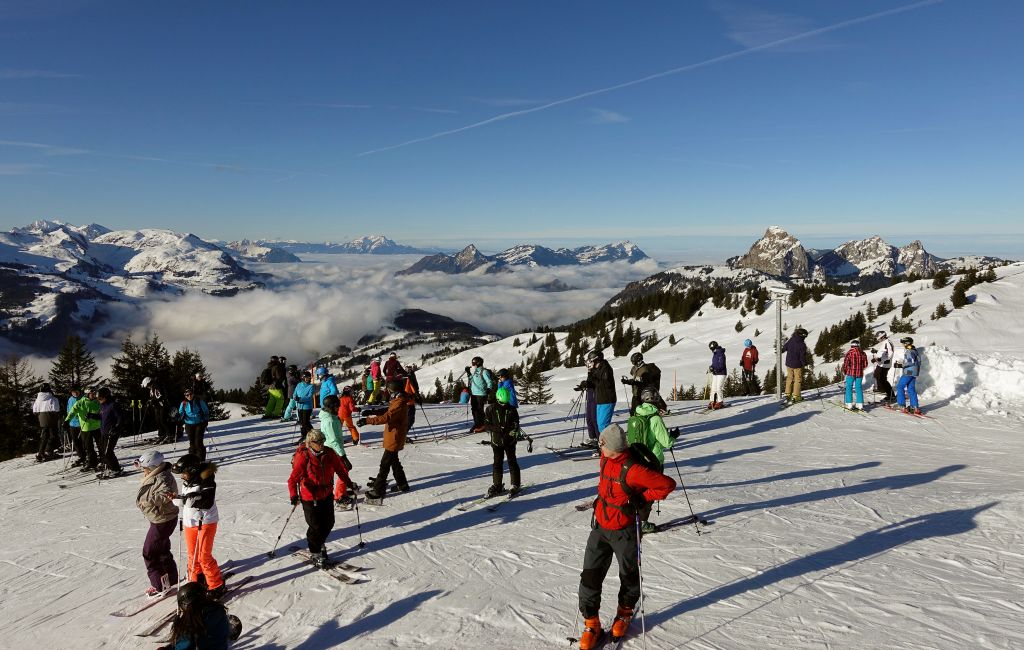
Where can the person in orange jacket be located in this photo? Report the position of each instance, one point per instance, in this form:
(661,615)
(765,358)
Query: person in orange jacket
(345,411)
(396,427)
(624,489)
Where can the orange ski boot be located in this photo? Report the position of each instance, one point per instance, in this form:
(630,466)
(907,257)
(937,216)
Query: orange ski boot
(592,633)
(623,617)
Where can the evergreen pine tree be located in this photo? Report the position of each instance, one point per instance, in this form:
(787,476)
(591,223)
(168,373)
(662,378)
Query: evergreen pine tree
(739,326)
(74,366)
(907,308)
(671,339)
(959,297)
(871,314)
(18,425)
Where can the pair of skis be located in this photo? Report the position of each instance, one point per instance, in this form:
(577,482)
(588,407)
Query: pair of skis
(341,571)
(465,507)
(916,415)
(160,623)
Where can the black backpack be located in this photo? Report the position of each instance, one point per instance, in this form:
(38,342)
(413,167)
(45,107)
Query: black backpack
(644,456)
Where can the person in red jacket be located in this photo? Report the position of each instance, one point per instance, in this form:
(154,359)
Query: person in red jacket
(312,480)
(348,407)
(624,489)
(748,362)
(854,364)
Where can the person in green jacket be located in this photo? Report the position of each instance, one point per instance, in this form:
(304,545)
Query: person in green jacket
(87,411)
(646,428)
(334,437)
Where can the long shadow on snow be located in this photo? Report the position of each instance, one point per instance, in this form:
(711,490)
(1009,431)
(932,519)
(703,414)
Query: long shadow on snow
(898,482)
(757,427)
(858,549)
(788,476)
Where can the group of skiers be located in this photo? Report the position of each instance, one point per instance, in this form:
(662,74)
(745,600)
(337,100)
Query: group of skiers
(885,358)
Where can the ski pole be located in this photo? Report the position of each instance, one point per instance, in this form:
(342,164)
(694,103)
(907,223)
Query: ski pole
(359,523)
(576,635)
(682,485)
(429,426)
(278,541)
(640,572)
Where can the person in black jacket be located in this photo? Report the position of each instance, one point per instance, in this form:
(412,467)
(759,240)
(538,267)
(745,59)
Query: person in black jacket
(201,622)
(600,379)
(502,421)
(111,424)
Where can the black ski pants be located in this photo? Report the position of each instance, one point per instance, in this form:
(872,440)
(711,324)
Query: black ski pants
(195,434)
(597,558)
(109,458)
(750,383)
(319,521)
(91,442)
(477,402)
(389,463)
(48,438)
(508,450)
(305,421)
(882,383)
(76,442)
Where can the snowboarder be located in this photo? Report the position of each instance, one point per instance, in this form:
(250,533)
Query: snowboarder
(601,379)
(196,415)
(910,368)
(882,356)
(199,516)
(345,410)
(643,375)
(112,424)
(647,429)
(854,364)
(201,622)
(334,438)
(748,367)
(396,427)
(796,358)
(481,383)
(503,424)
(717,369)
(87,411)
(314,466)
(505,381)
(624,488)
(302,396)
(47,410)
(154,500)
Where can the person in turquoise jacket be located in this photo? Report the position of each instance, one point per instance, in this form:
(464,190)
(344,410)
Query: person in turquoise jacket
(327,384)
(303,398)
(87,411)
(334,437)
(196,416)
(481,383)
(76,428)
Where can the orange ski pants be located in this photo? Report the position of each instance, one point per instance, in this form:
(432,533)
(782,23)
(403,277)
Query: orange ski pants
(199,540)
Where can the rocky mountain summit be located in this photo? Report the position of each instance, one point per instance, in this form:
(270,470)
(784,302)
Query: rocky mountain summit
(532,255)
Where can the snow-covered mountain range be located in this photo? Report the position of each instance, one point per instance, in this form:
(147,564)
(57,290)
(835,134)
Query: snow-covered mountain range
(531,255)
(251,251)
(366,245)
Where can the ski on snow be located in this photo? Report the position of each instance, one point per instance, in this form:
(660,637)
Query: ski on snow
(132,610)
(509,497)
(916,415)
(475,502)
(167,618)
(351,568)
(333,569)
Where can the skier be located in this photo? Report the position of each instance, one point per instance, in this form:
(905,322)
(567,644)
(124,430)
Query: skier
(75,427)
(111,425)
(590,418)
(481,383)
(367,384)
(334,438)
(47,407)
(748,365)
(411,386)
(314,466)
(87,411)
(159,404)
(464,396)
(505,381)
(796,358)
(346,409)
(199,517)
(503,424)
(643,375)
(275,394)
(392,367)
(201,622)
(292,382)
(375,377)
(302,396)
(718,372)
(154,500)
(854,364)
(625,487)
(196,415)
(647,429)
(328,386)
(396,427)
(882,356)
(600,378)
(910,368)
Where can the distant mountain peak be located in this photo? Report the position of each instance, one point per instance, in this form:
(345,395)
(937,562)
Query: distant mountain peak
(777,253)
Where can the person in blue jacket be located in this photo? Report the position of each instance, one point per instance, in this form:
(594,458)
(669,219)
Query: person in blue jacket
(327,384)
(76,428)
(481,383)
(910,368)
(505,381)
(303,397)
(717,392)
(196,415)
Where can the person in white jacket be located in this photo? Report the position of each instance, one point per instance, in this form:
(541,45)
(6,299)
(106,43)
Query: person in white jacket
(47,409)
(199,516)
(882,356)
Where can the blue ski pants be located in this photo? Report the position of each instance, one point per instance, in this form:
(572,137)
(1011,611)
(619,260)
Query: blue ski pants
(854,383)
(906,383)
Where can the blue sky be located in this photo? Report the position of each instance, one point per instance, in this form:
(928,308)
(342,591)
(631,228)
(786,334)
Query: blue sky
(319,121)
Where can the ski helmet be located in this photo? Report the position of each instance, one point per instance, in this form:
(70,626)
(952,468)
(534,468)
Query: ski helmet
(649,395)
(190,594)
(478,362)
(393,355)
(906,340)
(503,373)
(146,382)
(801,332)
(187,464)
(594,355)
(713,346)
(76,389)
(45,388)
(347,390)
(880,334)
(306,376)
(503,395)
(747,343)
(321,371)
(152,458)
(332,403)
(854,343)
(636,359)
(377,359)
(105,393)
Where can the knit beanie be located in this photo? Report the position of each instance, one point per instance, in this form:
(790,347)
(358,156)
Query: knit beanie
(613,438)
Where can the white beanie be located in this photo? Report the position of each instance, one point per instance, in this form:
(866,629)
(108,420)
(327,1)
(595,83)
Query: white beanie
(151,459)
(613,438)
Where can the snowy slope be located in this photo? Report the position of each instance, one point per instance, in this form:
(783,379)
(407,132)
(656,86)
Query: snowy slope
(830,530)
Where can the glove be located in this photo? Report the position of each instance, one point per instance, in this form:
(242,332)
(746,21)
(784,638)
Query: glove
(636,504)
(897,365)
(467,371)
(361,422)
(294,500)
(674,434)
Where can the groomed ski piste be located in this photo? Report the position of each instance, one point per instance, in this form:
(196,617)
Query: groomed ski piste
(826,529)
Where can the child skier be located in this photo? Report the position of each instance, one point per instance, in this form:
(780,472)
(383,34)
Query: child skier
(345,410)
(854,364)
(647,428)
(717,369)
(505,381)
(907,385)
(196,415)
(199,517)
(314,466)
(154,500)
(396,427)
(503,424)
(748,365)
(624,487)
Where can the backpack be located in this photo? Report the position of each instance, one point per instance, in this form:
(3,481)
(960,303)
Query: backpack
(637,429)
(644,456)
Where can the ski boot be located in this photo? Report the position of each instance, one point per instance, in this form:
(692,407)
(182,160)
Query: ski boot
(400,488)
(495,490)
(589,443)
(217,593)
(646,528)
(623,617)
(592,633)
(516,489)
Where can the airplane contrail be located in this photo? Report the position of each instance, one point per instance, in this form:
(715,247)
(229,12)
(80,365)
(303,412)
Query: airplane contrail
(658,75)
